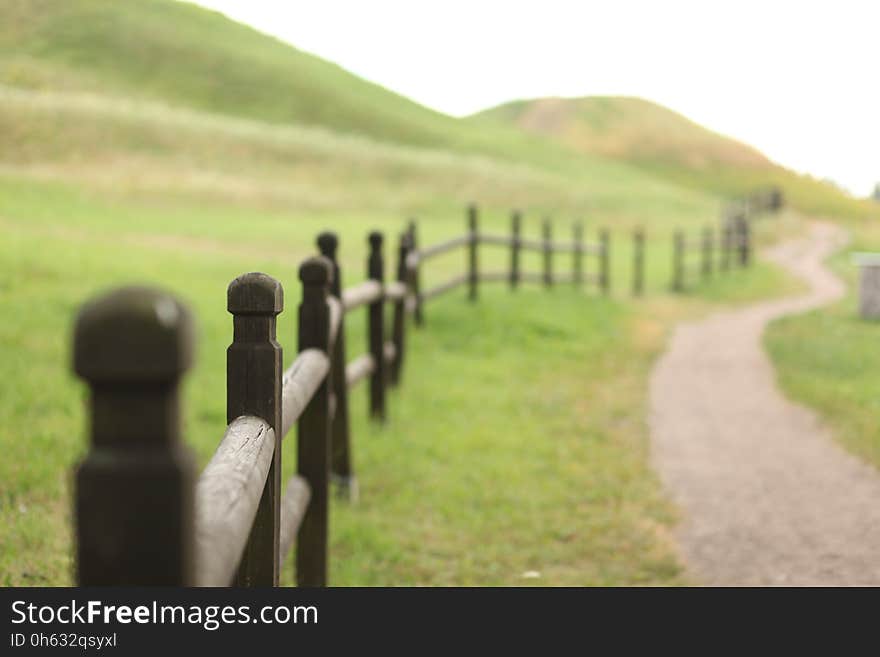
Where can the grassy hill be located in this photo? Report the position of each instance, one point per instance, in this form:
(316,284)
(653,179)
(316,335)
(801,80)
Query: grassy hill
(187,56)
(669,145)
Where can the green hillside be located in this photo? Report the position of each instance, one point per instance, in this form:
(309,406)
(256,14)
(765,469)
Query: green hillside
(187,56)
(668,144)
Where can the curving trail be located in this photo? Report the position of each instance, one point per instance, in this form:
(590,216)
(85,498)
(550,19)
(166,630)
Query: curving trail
(767,497)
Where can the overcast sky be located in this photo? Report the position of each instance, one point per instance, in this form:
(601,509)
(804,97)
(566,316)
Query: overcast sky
(798,80)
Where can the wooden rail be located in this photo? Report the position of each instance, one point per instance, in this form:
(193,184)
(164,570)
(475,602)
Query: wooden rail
(472,277)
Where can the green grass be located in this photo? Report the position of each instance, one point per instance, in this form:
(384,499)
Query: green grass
(828,359)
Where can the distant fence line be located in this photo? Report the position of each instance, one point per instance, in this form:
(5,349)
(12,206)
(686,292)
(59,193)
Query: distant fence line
(142,515)
(696,258)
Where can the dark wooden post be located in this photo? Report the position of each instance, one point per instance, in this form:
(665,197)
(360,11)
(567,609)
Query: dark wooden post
(376,329)
(605,261)
(398,327)
(638,262)
(706,264)
(415,278)
(253,387)
(678,261)
(548,252)
(515,232)
(473,244)
(134,489)
(776,199)
(577,273)
(726,242)
(744,240)
(341,464)
(314,428)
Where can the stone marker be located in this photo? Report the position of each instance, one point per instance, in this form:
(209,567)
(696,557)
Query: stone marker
(869,284)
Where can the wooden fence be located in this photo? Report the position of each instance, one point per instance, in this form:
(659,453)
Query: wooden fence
(473,239)
(697,257)
(143,517)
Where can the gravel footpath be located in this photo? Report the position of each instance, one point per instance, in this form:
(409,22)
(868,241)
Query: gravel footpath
(766,496)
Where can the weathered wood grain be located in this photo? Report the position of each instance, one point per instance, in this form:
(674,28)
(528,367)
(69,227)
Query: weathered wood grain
(227,496)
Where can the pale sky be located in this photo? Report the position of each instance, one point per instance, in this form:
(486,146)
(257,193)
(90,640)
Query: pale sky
(798,80)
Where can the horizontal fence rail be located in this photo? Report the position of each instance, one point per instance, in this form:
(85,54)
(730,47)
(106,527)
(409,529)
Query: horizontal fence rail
(473,276)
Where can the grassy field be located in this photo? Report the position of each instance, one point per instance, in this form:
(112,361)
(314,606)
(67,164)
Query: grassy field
(186,156)
(533,460)
(828,358)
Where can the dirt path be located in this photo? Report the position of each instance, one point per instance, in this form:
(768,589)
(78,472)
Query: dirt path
(765,494)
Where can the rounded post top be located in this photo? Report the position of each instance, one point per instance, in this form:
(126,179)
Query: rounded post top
(133,334)
(472,214)
(317,270)
(327,244)
(375,240)
(255,294)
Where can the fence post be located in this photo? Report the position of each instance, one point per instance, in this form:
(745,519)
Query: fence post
(726,240)
(135,487)
(605,262)
(744,240)
(578,264)
(638,262)
(314,428)
(398,327)
(706,265)
(678,261)
(253,387)
(515,231)
(547,228)
(415,278)
(376,329)
(341,466)
(473,243)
